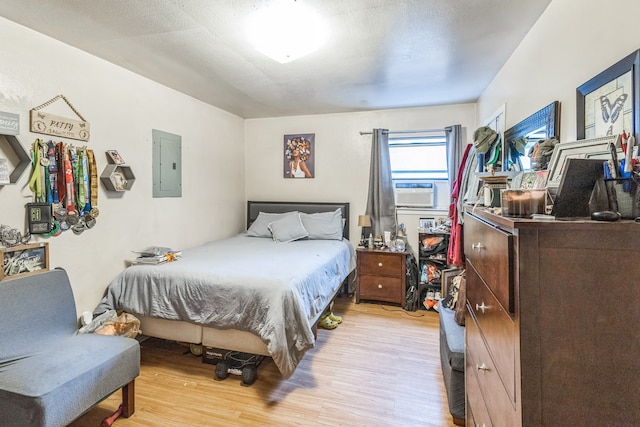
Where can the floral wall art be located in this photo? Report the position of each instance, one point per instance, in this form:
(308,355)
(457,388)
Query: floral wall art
(298,155)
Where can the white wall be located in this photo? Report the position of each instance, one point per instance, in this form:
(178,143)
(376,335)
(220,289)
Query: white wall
(342,154)
(573,41)
(122,109)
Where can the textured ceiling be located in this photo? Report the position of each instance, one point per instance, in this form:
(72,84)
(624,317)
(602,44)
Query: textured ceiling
(381,53)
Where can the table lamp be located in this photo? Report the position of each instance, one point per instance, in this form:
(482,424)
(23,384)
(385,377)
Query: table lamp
(364,221)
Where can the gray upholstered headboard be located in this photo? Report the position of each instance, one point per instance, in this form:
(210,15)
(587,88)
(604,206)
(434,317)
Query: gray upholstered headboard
(254,208)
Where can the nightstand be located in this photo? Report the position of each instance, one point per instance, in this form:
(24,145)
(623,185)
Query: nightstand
(381,276)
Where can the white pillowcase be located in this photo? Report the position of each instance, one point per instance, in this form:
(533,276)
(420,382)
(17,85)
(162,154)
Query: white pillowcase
(324,225)
(288,229)
(260,227)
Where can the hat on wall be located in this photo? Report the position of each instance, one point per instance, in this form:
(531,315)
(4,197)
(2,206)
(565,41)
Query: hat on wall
(483,138)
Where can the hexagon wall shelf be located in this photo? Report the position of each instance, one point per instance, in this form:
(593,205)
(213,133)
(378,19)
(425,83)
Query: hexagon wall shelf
(117,177)
(23,157)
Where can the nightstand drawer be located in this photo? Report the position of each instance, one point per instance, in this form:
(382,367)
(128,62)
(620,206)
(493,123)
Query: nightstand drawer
(380,264)
(381,288)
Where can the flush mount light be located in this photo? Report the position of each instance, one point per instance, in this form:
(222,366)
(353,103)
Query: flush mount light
(286,30)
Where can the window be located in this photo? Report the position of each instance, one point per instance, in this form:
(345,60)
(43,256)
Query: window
(418,156)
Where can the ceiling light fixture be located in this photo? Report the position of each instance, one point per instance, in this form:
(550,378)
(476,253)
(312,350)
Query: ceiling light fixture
(286,30)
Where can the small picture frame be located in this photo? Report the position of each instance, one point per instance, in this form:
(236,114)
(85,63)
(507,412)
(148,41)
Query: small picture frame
(115,157)
(24,260)
(594,148)
(427,223)
(447,277)
(528,179)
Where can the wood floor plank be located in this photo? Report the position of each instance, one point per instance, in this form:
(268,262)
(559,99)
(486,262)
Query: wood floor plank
(380,367)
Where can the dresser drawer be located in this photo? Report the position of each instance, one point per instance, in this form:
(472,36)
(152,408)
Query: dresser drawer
(381,288)
(476,411)
(490,251)
(496,326)
(380,264)
(479,363)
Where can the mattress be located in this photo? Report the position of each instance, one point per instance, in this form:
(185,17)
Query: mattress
(274,291)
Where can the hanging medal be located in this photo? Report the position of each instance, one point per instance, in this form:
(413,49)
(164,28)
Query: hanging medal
(93,174)
(72,214)
(53,172)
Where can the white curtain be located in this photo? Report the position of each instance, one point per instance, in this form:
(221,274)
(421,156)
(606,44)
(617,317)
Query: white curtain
(381,205)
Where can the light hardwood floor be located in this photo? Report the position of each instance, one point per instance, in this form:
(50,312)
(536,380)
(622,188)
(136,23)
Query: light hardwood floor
(380,367)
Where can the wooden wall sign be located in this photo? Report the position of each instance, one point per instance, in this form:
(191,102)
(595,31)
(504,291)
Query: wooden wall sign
(50,124)
(9,123)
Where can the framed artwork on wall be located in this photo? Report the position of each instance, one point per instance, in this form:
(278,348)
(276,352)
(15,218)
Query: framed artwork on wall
(299,155)
(115,157)
(610,102)
(24,260)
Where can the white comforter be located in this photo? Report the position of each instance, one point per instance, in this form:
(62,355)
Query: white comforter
(274,290)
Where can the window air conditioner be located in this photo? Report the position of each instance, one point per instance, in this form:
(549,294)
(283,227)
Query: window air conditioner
(414,194)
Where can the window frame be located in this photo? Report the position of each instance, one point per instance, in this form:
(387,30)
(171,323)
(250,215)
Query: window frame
(416,140)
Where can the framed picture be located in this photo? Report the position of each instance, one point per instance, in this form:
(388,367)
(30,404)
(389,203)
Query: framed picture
(595,148)
(427,223)
(527,181)
(298,155)
(541,180)
(447,276)
(18,261)
(609,102)
(115,157)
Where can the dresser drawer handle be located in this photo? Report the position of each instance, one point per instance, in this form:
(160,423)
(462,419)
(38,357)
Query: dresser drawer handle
(380,264)
(481,307)
(379,286)
(482,367)
(481,425)
(477,246)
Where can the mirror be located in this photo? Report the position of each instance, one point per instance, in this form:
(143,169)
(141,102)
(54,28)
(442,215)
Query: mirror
(542,124)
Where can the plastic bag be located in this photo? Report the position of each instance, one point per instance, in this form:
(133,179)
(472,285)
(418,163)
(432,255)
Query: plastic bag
(124,325)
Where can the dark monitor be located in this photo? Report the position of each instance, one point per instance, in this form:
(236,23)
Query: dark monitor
(578,179)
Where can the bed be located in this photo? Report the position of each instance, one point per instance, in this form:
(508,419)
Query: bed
(260,292)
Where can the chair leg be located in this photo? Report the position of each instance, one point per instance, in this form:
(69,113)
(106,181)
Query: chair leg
(129,399)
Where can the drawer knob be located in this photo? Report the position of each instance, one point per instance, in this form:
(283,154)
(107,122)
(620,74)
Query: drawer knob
(481,307)
(482,367)
(379,286)
(477,246)
(380,264)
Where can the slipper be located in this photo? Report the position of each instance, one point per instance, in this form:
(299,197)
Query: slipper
(335,318)
(326,323)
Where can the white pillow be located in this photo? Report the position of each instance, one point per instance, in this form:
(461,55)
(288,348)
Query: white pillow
(288,229)
(260,227)
(324,225)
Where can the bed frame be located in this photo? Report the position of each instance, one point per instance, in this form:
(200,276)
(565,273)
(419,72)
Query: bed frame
(246,342)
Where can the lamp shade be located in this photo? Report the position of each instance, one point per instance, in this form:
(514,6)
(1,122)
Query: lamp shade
(364,221)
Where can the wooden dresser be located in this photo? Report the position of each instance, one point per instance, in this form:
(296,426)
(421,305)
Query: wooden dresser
(553,323)
(381,276)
